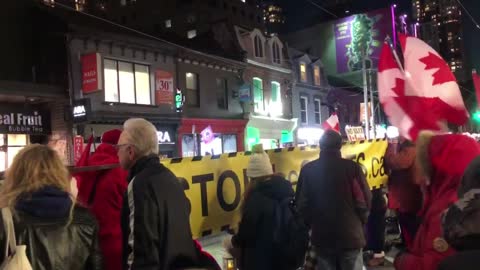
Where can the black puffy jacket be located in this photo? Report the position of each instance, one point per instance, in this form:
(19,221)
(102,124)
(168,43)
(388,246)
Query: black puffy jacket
(51,245)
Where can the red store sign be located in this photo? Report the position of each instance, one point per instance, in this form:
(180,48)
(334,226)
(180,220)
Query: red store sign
(163,88)
(91,73)
(77,148)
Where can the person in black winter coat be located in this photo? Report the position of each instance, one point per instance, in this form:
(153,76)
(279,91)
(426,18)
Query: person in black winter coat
(334,199)
(155,218)
(254,238)
(461,223)
(57,234)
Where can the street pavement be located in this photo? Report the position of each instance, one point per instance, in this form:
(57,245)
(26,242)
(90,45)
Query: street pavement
(214,246)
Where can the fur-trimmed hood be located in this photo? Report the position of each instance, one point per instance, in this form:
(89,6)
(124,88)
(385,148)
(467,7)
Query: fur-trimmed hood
(445,155)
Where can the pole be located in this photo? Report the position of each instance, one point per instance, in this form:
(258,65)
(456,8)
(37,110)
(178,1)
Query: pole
(372,107)
(365,95)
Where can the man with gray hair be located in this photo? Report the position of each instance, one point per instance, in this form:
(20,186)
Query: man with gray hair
(155,219)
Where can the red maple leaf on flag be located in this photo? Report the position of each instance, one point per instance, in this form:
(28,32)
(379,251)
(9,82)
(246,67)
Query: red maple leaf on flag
(399,88)
(443,74)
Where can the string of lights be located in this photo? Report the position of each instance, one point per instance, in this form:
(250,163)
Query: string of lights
(469,14)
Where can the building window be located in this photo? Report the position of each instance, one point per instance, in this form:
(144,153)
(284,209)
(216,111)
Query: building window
(258,46)
(126,82)
(243,1)
(192,95)
(276,100)
(276,53)
(10,145)
(303,109)
(303,72)
(168,24)
(318,115)
(222,94)
(316,75)
(258,95)
(191,34)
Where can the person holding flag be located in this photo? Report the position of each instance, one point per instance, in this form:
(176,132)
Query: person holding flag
(419,99)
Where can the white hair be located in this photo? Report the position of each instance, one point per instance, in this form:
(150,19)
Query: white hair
(143,135)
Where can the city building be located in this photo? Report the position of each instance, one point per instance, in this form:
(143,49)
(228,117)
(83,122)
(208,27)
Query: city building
(268,83)
(273,16)
(33,82)
(440,25)
(185,18)
(309,96)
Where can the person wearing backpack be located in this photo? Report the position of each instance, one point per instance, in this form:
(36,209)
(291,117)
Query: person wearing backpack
(334,200)
(48,227)
(265,199)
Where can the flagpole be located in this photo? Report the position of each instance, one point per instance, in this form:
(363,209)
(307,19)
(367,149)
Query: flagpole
(388,40)
(365,94)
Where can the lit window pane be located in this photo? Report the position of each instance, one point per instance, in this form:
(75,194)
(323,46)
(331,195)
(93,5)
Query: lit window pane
(316,74)
(111,81)
(303,72)
(229,143)
(258,94)
(142,84)
(191,81)
(11,153)
(127,88)
(17,139)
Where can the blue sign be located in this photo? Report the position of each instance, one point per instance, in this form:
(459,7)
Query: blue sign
(244,93)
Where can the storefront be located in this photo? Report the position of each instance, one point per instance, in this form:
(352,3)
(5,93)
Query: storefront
(309,135)
(20,126)
(226,136)
(271,132)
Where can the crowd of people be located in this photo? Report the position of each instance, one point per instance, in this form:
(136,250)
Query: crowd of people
(133,213)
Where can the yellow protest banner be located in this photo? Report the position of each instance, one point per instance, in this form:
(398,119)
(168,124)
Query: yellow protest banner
(215,184)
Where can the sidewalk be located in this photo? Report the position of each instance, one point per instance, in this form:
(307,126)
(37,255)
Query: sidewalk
(214,246)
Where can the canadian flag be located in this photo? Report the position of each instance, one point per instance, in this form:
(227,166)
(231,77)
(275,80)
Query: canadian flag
(332,123)
(422,97)
(476,83)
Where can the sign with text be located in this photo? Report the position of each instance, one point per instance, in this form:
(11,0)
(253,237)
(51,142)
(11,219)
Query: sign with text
(355,134)
(215,185)
(81,110)
(77,148)
(163,88)
(24,121)
(92,75)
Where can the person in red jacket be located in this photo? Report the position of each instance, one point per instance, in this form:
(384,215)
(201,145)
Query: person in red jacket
(103,191)
(442,160)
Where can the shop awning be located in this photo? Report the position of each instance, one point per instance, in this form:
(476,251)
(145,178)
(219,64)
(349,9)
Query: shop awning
(271,128)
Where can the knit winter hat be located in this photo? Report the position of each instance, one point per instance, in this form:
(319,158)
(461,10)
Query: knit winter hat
(111,136)
(259,163)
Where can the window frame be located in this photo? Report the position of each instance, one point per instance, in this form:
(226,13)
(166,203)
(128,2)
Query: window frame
(261,107)
(315,81)
(303,75)
(224,92)
(276,53)
(197,90)
(133,64)
(258,47)
(319,112)
(279,97)
(304,111)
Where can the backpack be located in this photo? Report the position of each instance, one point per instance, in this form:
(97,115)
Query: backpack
(290,234)
(15,256)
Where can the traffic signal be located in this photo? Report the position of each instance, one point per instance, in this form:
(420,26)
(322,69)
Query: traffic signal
(476,116)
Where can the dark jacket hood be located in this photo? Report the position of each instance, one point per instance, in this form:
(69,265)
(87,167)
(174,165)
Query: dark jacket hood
(47,202)
(143,163)
(276,188)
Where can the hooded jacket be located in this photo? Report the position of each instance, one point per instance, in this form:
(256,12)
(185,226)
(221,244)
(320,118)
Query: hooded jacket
(461,223)
(334,199)
(110,186)
(255,232)
(443,160)
(40,223)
